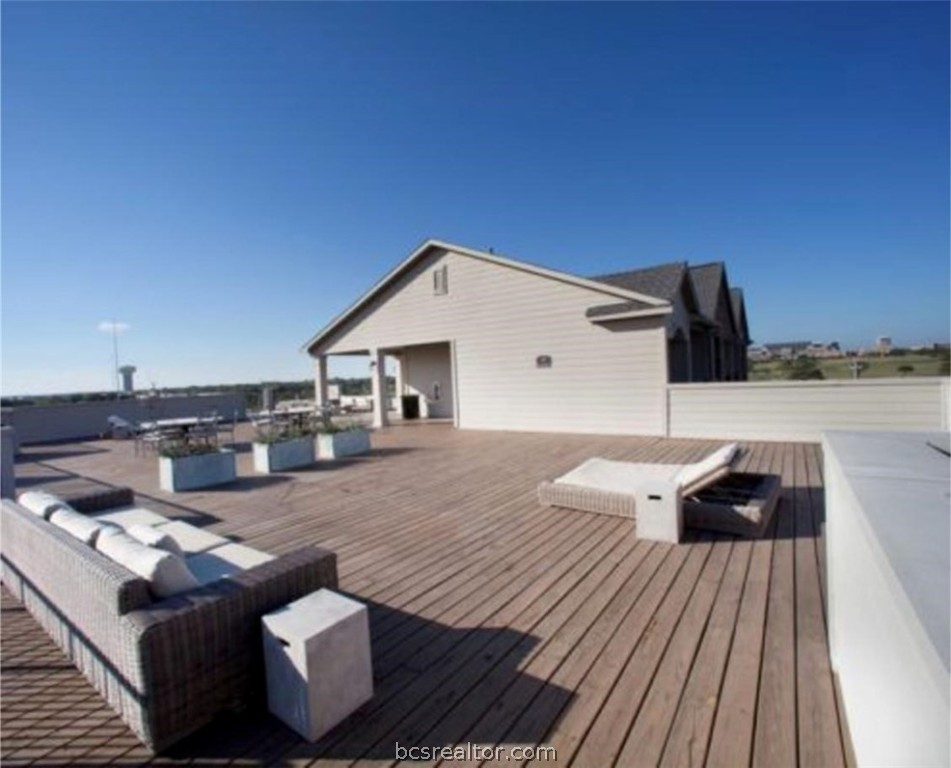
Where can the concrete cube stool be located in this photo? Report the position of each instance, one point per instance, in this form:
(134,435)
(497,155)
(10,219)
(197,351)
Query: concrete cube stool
(317,659)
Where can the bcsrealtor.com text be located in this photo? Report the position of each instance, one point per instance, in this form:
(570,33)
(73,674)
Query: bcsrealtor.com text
(470,751)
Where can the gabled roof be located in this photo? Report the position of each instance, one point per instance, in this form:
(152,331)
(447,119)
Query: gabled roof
(739,313)
(708,281)
(662,281)
(638,302)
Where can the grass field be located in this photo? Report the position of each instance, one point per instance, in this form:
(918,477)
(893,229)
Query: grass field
(878,367)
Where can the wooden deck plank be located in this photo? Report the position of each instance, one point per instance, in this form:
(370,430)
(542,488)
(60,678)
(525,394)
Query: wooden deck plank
(493,619)
(776,739)
(820,742)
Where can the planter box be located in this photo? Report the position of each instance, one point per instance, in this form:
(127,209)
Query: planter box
(200,471)
(352,442)
(287,454)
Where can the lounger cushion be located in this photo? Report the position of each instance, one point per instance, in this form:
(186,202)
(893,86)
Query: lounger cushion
(41,503)
(720,459)
(167,574)
(75,524)
(154,537)
(618,476)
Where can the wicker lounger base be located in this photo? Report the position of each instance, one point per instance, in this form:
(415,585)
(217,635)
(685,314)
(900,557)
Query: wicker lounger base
(741,504)
(586,499)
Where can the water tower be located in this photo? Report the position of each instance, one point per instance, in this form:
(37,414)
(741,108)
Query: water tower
(126,372)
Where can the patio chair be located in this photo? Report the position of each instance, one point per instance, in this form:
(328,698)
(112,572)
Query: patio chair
(658,497)
(206,430)
(122,428)
(229,427)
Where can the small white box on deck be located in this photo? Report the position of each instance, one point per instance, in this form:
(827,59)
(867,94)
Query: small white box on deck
(317,660)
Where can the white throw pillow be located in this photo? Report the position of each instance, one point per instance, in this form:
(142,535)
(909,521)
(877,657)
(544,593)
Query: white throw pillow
(41,503)
(153,537)
(76,524)
(166,573)
(108,529)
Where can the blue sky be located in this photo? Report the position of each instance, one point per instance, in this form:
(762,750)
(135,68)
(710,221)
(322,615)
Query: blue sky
(226,177)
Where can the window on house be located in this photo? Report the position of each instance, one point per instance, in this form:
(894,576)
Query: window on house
(441,280)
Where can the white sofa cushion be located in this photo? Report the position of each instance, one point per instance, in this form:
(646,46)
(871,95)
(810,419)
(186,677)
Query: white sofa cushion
(224,561)
(154,537)
(191,540)
(167,574)
(719,459)
(129,516)
(41,503)
(82,527)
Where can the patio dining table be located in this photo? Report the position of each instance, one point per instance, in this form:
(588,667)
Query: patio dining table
(183,423)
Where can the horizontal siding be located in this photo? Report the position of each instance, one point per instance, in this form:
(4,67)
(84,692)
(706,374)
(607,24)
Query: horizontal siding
(803,410)
(604,379)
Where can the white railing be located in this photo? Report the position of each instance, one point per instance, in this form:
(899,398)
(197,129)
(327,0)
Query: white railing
(803,410)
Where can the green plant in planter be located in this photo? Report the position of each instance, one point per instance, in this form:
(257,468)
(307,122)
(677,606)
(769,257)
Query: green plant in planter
(330,428)
(183,449)
(271,433)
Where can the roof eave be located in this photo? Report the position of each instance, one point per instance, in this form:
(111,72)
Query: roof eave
(564,277)
(652,312)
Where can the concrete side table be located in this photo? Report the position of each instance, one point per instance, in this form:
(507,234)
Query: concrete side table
(317,659)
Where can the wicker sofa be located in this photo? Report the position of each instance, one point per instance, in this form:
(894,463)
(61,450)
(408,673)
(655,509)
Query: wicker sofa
(168,666)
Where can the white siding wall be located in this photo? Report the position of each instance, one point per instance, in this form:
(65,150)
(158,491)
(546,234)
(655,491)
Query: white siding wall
(604,379)
(801,410)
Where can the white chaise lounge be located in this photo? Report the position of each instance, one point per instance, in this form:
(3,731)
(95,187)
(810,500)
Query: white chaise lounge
(658,497)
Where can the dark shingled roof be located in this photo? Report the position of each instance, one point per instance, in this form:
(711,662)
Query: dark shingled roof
(739,312)
(661,281)
(706,284)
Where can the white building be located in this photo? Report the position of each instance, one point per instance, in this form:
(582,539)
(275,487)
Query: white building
(494,343)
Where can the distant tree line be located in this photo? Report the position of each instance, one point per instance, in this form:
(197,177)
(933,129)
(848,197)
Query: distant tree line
(252,393)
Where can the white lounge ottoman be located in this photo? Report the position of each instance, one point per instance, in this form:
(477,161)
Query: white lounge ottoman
(317,658)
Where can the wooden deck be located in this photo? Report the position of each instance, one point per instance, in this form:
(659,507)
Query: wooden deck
(494,621)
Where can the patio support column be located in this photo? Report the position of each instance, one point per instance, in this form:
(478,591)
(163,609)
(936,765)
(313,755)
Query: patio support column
(378,380)
(398,375)
(320,381)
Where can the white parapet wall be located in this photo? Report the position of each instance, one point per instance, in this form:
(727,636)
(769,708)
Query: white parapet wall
(803,410)
(889,590)
(76,421)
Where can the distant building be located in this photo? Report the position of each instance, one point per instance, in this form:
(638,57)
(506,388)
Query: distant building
(127,372)
(883,345)
(790,350)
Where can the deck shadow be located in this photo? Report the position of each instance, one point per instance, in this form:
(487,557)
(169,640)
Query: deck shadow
(418,680)
(43,452)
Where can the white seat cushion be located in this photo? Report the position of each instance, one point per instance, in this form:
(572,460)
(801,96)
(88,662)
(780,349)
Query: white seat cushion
(128,516)
(224,561)
(76,524)
(191,540)
(167,574)
(154,537)
(41,503)
(721,458)
(618,476)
